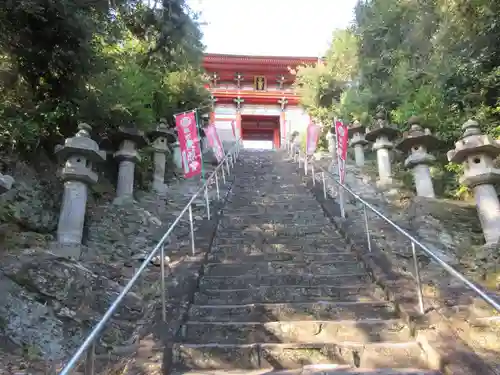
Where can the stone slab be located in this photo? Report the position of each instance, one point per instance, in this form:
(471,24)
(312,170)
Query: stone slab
(312,279)
(281,267)
(290,356)
(293,311)
(288,293)
(298,332)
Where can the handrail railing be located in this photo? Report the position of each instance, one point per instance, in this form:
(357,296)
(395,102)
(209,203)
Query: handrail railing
(89,343)
(414,242)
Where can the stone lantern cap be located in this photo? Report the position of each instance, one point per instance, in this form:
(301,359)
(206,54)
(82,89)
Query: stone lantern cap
(129,134)
(81,144)
(162,130)
(473,142)
(381,128)
(356,127)
(417,136)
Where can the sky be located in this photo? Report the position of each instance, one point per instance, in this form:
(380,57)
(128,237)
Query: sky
(272,27)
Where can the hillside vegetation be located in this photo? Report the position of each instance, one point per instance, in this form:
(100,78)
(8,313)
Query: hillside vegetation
(438,59)
(109,63)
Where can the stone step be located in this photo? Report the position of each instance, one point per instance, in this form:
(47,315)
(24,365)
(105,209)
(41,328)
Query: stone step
(246,281)
(274,248)
(279,218)
(276,213)
(269,229)
(289,293)
(279,267)
(250,256)
(315,370)
(290,356)
(298,332)
(287,242)
(293,311)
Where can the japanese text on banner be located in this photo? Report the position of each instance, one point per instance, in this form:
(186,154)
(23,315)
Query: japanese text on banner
(341,132)
(189,143)
(312,137)
(215,142)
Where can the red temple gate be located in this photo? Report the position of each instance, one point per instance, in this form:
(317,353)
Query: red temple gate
(258,89)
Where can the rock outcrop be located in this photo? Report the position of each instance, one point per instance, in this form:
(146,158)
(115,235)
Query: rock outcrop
(51,302)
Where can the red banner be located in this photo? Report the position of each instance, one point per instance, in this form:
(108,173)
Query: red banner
(341,131)
(312,137)
(215,142)
(189,143)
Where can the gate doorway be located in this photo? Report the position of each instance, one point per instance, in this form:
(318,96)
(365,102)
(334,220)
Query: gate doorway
(261,132)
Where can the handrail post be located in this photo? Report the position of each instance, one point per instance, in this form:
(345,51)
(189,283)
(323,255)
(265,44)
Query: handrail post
(324,184)
(367,228)
(217,185)
(223,175)
(341,202)
(417,279)
(228,171)
(163,288)
(191,229)
(207,202)
(313,175)
(90,360)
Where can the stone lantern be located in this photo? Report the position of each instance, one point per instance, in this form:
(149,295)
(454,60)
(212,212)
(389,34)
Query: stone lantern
(417,142)
(161,138)
(382,135)
(332,144)
(128,141)
(476,152)
(358,142)
(78,153)
(6,182)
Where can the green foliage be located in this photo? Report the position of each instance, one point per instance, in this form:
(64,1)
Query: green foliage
(320,86)
(438,59)
(125,62)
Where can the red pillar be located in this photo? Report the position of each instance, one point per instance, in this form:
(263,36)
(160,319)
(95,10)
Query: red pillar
(276,138)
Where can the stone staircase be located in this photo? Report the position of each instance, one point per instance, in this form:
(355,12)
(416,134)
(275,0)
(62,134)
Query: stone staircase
(282,294)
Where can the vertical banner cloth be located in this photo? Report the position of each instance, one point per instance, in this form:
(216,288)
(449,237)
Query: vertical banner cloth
(312,137)
(214,142)
(189,143)
(341,131)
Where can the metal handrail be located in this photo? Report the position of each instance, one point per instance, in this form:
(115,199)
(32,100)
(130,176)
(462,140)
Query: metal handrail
(414,242)
(89,343)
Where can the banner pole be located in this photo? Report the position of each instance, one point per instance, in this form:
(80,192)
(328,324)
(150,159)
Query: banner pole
(339,160)
(198,131)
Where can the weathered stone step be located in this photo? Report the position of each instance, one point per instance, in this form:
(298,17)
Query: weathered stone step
(288,293)
(273,248)
(281,214)
(245,281)
(314,370)
(284,243)
(298,332)
(293,311)
(237,256)
(266,227)
(278,267)
(289,356)
(268,209)
(281,217)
